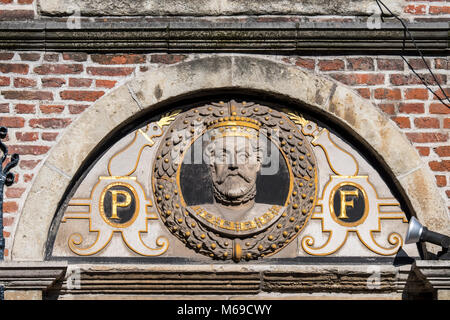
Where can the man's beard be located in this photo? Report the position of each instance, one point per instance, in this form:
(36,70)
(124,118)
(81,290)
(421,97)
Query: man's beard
(234,189)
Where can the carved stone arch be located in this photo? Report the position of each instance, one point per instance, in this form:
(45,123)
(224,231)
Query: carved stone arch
(157,87)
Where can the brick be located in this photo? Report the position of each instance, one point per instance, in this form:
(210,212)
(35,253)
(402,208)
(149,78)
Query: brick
(359,79)
(12,122)
(402,122)
(364,92)
(16,14)
(4,81)
(49,136)
(440,63)
(8,221)
(370,79)
(110,71)
(28,150)
(423,151)
(75,56)
(24,108)
(439,9)
(118,58)
(29,56)
(4,107)
(10,207)
(443,165)
(403,80)
(415,108)
(49,123)
(6,1)
(304,63)
(387,94)
(331,65)
(416,9)
(390,64)
(441,181)
(25,1)
(427,137)
(76,82)
(443,151)
(28,164)
(167,58)
(59,69)
(416,94)
(81,95)
(388,108)
(6,55)
(27,136)
(441,94)
(53,82)
(77,109)
(28,95)
(51,57)
(426,122)
(105,83)
(418,64)
(439,108)
(24,83)
(14,68)
(27,177)
(447,123)
(360,64)
(47,109)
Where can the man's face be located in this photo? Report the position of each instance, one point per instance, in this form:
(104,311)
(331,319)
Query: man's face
(234,166)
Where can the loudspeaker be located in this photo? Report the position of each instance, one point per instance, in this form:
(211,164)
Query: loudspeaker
(417,232)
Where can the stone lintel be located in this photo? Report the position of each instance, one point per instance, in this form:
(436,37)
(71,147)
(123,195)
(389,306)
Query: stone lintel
(212,7)
(435,273)
(235,280)
(17,277)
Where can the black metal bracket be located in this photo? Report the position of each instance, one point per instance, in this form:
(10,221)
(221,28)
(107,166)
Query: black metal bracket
(6,178)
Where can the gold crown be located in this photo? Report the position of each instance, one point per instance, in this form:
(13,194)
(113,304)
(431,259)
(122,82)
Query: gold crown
(234,121)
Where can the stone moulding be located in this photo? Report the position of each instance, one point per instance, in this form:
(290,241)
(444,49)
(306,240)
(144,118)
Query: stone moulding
(436,274)
(212,7)
(31,275)
(37,280)
(204,280)
(201,35)
(317,93)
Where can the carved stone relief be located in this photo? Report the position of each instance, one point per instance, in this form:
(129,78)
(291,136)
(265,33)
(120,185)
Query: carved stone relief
(231,181)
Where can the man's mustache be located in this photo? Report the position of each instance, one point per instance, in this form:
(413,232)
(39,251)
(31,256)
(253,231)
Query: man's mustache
(232,174)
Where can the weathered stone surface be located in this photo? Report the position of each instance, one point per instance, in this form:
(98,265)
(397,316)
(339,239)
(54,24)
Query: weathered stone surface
(371,125)
(284,80)
(436,274)
(165,83)
(233,280)
(39,208)
(23,295)
(27,280)
(81,138)
(428,205)
(212,7)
